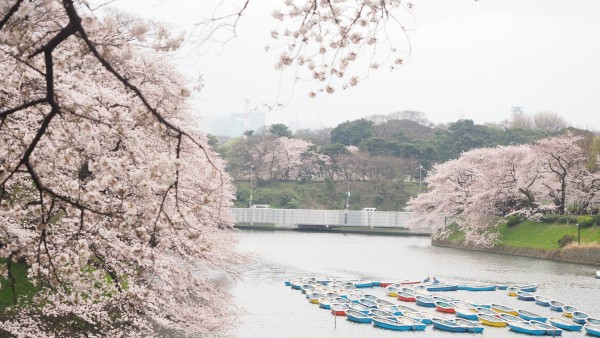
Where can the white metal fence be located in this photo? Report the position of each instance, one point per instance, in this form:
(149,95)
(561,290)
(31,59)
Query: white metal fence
(300,217)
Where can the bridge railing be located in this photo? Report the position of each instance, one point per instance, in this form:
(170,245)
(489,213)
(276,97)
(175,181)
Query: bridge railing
(295,217)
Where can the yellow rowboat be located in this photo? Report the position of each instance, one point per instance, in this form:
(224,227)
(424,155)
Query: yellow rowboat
(491,320)
(504,309)
(567,311)
(512,291)
(391,291)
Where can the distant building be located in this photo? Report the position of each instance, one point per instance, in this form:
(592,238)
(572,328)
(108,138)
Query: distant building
(234,125)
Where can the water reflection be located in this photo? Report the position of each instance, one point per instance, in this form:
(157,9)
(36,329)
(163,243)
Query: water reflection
(273,310)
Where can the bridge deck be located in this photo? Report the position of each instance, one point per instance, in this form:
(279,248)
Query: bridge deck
(322,218)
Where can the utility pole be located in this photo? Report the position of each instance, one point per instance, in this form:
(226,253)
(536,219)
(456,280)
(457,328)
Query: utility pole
(347,199)
(251,167)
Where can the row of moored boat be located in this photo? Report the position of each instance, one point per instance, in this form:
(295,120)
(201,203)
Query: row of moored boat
(348,298)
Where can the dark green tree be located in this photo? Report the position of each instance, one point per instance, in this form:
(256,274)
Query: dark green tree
(280,130)
(352,132)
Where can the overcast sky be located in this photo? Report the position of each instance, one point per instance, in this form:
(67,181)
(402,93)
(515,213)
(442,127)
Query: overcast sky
(470,59)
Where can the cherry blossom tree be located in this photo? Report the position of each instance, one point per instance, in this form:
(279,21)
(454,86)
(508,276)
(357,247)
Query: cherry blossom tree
(484,185)
(561,157)
(118,206)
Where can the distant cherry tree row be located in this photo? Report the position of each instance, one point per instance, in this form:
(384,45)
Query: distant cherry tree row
(485,185)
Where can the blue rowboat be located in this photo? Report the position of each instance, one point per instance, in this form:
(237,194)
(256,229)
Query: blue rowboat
(511,318)
(418,316)
(527,315)
(471,326)
(367,302)
(306,288)
(425,317)
(592,330)
(464,312)
(323,280)
(353,297)
(439,298)
(580,317)
(550,330)
(402,309)
(359,307)
(376,283)
(340,300)
(476,304)
(461,287)
(486,311)
(556,305)
(390,308)
(415,324)
(593,321)
(381,313)
(363,284)
(526,296)
(287,283)
(448,325)
(381,302)
(565,325)
(391,324)
(296,284)
(526,327)
(482,287)
(370,297)
(325,303)
(442,287)
(568,310)
(527,287)
(331,295)
(358,317)
(541,300)
(424,301)
(502,286)
(479,287)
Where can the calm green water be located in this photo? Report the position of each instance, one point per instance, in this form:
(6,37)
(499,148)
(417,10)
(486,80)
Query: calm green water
(271,309)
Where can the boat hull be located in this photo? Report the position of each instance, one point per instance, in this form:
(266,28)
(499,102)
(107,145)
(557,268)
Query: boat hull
(447,325)
(491,321)
(358,317)
(565,325)
(526,328)
(592,330)
(389,324)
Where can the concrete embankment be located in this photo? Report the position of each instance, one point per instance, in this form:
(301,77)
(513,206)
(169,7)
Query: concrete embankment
(584,254)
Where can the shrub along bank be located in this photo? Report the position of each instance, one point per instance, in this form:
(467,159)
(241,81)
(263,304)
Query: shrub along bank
(557,240)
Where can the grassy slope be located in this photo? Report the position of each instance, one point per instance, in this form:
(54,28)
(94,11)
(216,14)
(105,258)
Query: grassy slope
(538,235)
(544,235)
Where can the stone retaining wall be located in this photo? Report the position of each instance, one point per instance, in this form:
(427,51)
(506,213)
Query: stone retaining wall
(572,254)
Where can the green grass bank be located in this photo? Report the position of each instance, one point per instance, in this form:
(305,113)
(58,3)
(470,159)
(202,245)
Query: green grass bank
(554,241)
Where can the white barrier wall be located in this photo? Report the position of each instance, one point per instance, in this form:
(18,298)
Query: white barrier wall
(292,217)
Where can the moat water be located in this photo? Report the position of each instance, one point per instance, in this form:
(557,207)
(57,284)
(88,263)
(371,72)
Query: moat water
(270,309)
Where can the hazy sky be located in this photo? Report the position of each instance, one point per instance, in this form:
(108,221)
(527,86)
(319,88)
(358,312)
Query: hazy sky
(470,59)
